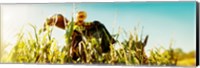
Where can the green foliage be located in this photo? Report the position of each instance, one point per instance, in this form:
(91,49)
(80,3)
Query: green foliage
(42,48)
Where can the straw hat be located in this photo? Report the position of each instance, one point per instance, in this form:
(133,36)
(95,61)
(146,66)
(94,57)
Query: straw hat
(81,15)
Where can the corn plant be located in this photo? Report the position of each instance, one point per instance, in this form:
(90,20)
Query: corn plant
(42,48)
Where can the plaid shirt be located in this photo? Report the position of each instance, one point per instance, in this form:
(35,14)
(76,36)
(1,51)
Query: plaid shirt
(82,27)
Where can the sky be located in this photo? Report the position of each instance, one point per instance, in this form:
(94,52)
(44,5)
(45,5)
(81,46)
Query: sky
(162,21)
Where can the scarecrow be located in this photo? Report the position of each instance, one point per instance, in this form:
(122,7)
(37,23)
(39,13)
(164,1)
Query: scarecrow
(83,29)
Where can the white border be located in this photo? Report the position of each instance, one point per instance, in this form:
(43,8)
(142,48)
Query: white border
(71,66)
(61,1)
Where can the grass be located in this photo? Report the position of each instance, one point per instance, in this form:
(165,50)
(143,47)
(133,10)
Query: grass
(42,48)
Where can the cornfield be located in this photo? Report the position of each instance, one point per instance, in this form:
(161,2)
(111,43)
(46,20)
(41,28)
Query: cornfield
(41,48)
